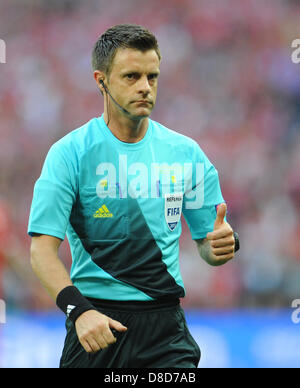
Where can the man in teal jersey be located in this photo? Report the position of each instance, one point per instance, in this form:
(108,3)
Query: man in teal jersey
(117,186)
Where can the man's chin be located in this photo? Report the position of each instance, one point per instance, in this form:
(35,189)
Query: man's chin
(141,113)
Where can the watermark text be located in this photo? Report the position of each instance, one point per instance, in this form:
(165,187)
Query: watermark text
(2,51)
(2,311)
(296,312)
(154,180)
(296,53)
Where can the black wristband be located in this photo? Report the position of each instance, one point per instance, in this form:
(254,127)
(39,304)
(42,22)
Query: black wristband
(73,303)
(236,241)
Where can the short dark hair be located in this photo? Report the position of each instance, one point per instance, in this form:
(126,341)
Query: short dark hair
(121,36)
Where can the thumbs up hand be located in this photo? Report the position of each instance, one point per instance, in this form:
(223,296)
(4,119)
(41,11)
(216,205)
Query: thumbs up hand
(221,239)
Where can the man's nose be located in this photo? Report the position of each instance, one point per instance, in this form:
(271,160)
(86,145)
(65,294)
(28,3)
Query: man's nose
(144,86)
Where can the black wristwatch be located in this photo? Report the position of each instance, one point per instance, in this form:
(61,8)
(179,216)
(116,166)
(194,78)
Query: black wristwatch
(236,241)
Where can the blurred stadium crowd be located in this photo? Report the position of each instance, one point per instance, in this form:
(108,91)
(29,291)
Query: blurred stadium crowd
(227,81)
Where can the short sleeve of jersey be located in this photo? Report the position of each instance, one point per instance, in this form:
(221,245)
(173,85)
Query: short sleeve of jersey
(53,196)
(200,203)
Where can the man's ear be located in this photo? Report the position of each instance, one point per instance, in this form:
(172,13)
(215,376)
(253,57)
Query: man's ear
(98,76)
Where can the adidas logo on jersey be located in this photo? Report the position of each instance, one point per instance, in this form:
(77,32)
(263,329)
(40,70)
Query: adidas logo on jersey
(103,212)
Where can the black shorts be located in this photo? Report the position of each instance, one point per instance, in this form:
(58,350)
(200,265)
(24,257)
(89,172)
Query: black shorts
(157,337)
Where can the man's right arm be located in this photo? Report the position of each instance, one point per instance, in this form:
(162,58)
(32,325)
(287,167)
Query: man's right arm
(46,264)
(92,327)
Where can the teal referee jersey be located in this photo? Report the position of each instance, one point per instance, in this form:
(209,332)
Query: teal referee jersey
(120,205)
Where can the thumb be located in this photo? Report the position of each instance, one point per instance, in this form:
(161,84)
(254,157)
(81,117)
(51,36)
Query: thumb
(116,325)
(221,213)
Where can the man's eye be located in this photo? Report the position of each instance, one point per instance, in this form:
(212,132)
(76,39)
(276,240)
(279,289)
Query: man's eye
(130,76)
(152,76)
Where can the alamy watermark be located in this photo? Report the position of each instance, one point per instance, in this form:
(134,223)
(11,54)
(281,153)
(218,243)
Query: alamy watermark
(296,313)
(2,311)
(2,51)
(154,180)
(295,57)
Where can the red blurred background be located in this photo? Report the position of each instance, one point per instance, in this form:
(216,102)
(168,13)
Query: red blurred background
(227,81)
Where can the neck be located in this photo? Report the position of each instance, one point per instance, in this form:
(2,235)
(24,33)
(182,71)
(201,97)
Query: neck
(126,129)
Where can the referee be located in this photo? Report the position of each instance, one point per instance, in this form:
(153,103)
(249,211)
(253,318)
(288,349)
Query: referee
(117,187)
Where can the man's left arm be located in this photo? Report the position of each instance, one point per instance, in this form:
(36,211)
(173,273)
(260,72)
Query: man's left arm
(219,246)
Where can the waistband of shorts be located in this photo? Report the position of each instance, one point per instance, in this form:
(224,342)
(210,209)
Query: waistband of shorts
(134,305)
